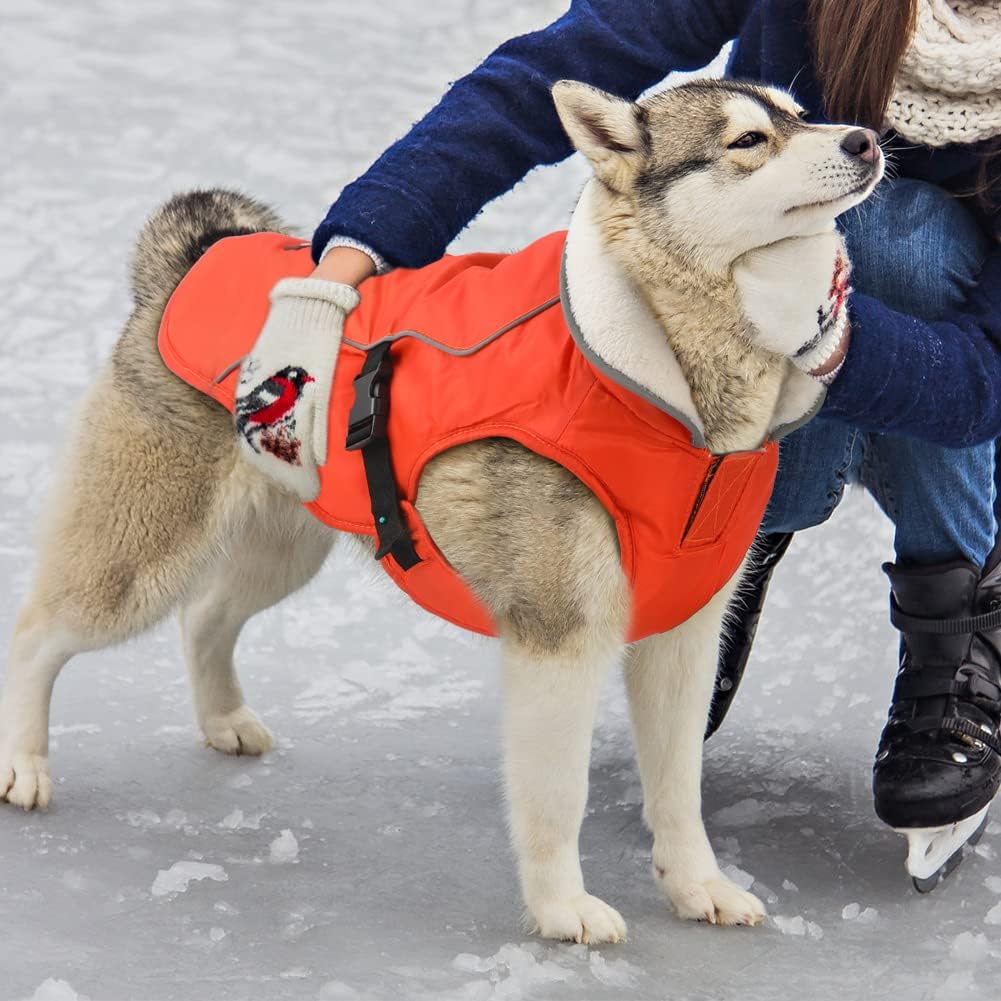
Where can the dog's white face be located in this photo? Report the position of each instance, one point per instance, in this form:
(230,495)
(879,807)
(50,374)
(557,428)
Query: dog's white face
(714,169)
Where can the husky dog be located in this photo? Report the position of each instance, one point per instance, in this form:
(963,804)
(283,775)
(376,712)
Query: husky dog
(157,510)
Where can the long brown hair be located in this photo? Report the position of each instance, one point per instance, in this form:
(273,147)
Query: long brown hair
(857,46)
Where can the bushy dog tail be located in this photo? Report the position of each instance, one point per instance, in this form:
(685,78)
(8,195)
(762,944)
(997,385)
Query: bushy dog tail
(179,232)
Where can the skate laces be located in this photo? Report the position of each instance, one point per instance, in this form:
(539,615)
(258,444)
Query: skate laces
(946,705)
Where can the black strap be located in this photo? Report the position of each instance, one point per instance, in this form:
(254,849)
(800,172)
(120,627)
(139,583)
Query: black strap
(968,683)
(367,434)
(927,683)
(953,725)
(944,627)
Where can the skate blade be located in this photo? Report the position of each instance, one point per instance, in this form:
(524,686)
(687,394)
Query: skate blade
(934,852)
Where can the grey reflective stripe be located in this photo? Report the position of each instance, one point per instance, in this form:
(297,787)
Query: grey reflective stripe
(417,335)
(457,352)
(229,370)
(698,440)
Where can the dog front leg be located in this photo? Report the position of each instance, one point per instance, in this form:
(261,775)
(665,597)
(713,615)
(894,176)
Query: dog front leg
(550,705)
(669,679)
(40,648)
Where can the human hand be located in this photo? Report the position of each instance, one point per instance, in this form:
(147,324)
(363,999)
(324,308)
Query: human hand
(283,395)
(794,294)
(346,265)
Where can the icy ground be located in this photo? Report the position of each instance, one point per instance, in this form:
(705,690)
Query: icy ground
(366,857)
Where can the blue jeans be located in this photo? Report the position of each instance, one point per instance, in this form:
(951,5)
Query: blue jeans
(919,251)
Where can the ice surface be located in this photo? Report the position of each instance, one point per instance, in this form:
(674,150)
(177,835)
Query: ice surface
(336,990)
(386,772)
(752,811)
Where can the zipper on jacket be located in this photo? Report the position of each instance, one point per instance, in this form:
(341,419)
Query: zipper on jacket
(707,482)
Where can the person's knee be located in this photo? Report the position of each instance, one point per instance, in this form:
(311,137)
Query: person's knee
(791,511)
(940,499)
(914,247)
(815,463)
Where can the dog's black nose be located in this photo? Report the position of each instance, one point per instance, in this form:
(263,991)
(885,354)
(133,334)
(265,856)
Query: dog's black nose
(863,143)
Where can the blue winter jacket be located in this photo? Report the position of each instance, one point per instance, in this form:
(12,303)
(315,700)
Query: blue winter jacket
(939,381)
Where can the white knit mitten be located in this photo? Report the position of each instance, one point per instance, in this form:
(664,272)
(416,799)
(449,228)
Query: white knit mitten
(794,292)
(283,395)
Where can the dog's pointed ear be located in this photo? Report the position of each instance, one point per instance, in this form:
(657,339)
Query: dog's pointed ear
(609,131)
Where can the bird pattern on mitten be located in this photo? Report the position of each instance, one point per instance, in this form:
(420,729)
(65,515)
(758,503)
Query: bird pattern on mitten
(266,417)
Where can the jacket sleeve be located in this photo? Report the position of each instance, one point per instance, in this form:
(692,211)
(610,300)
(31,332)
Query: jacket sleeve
(494,125)
(940,380)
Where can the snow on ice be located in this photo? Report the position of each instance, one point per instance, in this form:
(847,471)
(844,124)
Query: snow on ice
(56,990)
(517,971)
(854,912)
(284,848)
(743,879)
(386,718)
(237,821)
(180,875)
(970,947)
(797,926)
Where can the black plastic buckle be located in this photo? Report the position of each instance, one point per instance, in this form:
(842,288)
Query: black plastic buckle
(370,410)
(979,687)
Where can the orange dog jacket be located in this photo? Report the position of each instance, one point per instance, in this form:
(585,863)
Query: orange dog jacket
(482,348)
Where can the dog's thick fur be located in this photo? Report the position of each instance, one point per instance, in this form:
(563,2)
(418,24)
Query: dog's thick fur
(157,512)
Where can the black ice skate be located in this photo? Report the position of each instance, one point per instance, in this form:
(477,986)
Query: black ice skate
(939,761)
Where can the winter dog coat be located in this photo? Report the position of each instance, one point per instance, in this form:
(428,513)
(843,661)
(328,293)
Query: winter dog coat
(483,347)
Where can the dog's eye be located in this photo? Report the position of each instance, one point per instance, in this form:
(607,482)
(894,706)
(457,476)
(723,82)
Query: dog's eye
(747,140)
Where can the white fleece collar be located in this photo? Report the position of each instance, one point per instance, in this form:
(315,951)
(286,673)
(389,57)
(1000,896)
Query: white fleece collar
(618,333)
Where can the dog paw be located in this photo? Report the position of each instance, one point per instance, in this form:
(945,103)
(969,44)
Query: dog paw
(584,919)
(238,732)
(718,901)
(24,781)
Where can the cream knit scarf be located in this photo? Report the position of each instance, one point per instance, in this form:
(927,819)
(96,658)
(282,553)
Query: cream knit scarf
(948,87)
